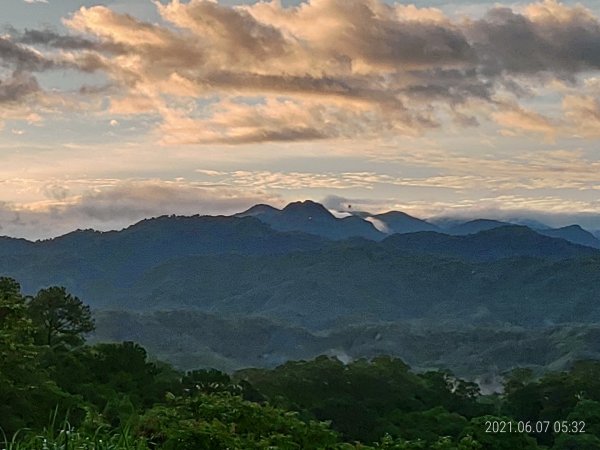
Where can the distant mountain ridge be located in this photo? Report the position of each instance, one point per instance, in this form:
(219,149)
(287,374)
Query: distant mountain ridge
(573,233)
(313,218)
(307,274)
(241,265)
(475,226)
(400,222)
(507,241)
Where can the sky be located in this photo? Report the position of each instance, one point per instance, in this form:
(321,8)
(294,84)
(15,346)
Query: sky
(113,111)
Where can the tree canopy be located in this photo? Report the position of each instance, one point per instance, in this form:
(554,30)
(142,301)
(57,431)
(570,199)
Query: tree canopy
(60,317)
(57,392)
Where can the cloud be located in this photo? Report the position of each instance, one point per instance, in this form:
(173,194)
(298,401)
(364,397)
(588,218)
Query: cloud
(584,112)
(106,204)
(22,58)
(51,38)
(547,38)
(378,224)
(529,171)
(119,204)
(516,119)
(324,69)
(18,87)
(552,211)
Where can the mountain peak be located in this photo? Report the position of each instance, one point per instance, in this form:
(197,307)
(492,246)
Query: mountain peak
(572,227)
(400,222)
(574,233)
(258,210)
(309,208)
(394,214)
(475,226)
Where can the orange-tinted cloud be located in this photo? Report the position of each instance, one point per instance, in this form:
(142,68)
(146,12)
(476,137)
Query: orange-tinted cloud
(324,69)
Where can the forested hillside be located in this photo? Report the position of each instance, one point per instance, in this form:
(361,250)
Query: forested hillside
(230,266)
(56,392)
(191,339)
(270,285)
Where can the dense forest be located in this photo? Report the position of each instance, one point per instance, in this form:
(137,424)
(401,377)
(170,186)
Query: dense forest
(56,392)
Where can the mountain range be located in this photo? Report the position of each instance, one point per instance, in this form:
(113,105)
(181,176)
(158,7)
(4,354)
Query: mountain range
(313,218)
(305,272)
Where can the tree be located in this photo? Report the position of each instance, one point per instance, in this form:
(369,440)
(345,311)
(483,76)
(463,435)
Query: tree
(60,317)
(15,328)
(26,394)
(221,420)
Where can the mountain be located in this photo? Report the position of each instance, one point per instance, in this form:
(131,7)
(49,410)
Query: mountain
(171,236)
(531,223)
(192,339)
(313,218)
(399,222)
(234,291)
(573,233)
(339,286)
(14,246)
(88,261)
(227,264)
(490,245)
(260,210)
(475,226)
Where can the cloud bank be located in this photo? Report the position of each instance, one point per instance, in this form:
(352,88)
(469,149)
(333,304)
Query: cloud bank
(117,204)
(325,69)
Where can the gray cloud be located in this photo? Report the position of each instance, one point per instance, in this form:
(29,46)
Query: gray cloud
(236,32)
(373,67)
(18,87)
(54,39)
(21,58)
(509,42)
(290,134)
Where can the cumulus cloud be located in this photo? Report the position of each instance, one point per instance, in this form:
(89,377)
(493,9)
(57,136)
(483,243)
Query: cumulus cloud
(324,68)
(547,37)
(21,95)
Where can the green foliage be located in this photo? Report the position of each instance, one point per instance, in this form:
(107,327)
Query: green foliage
(68,438)
(114,398)
(366,399)
(26,393)
(577,442)
(60,317)
(221,420)
(15,325)
(476,429)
